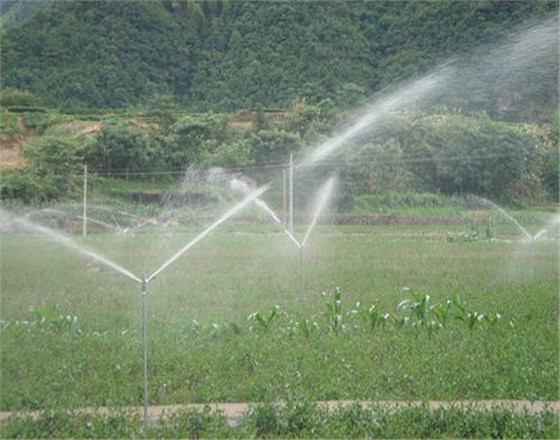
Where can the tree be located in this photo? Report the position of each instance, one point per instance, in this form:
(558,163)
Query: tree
(121,149)
(457,154)
(195,15)
(273,146)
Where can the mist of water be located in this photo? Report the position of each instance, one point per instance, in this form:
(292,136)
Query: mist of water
(323,197)
(519,66)
(249,199)
(551,225)
(379,113)
(28,225)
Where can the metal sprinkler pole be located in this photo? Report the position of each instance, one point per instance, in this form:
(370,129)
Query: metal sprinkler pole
(301,276)
(145,347)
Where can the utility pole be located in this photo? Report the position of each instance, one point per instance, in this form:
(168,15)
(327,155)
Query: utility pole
(291,195)
(284,198)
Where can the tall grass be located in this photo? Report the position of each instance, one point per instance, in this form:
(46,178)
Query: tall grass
(202,347)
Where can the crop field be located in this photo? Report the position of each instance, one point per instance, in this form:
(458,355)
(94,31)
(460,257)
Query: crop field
(386,313)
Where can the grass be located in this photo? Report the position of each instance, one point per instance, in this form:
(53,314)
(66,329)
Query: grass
(296,420)
(86,351)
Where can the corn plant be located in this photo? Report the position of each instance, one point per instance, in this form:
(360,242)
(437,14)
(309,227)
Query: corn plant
(435,317)
(373,317)
(48,318)
(419,305)
(459,304)
(493,319)
(432,326)
(490,227)
(441,312)
(473,318)
(400,321)
(304,327)
(333,313)
(259,321)
(46,313)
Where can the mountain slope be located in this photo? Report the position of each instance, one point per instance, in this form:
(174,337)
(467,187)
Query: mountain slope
(224,56)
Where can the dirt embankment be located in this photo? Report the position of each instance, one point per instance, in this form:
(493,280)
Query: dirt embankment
(11,145)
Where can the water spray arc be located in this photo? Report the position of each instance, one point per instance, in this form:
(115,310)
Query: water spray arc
(144,296)
(530,237)
(249,199)
(323,196)
(143,280)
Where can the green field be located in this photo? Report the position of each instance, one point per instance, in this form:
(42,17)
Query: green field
(483,323)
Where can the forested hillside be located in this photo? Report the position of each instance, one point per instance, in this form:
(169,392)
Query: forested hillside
(226,55)
(16,12)
(128,87)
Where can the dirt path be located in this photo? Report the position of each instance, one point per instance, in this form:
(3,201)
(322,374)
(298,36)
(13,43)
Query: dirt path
(236,410)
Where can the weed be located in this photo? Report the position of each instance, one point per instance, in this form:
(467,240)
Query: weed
(295,420)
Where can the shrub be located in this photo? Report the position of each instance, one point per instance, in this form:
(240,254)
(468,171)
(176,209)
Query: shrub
(16,97)
(52,171)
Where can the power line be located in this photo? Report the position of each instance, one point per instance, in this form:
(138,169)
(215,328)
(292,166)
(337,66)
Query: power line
(383,160)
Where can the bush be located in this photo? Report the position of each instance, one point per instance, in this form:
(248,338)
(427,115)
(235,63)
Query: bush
(15,97)
(52,171)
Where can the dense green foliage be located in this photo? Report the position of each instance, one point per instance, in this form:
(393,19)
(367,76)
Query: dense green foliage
(295,420)
(17,98)
(315,59)
(226,55)
(444,152)
(15,12)
(455,154)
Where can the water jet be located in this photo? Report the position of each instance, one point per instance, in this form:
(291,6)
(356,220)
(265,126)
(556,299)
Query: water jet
(323,196)
(143,280)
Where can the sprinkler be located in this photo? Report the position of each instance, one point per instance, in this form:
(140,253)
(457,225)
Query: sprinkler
(144,294)
(143,280)
(322,198)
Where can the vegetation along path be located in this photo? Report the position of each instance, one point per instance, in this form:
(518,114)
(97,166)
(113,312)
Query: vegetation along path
(237,410)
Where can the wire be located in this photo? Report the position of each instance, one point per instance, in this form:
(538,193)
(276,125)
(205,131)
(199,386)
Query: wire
(383,160)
